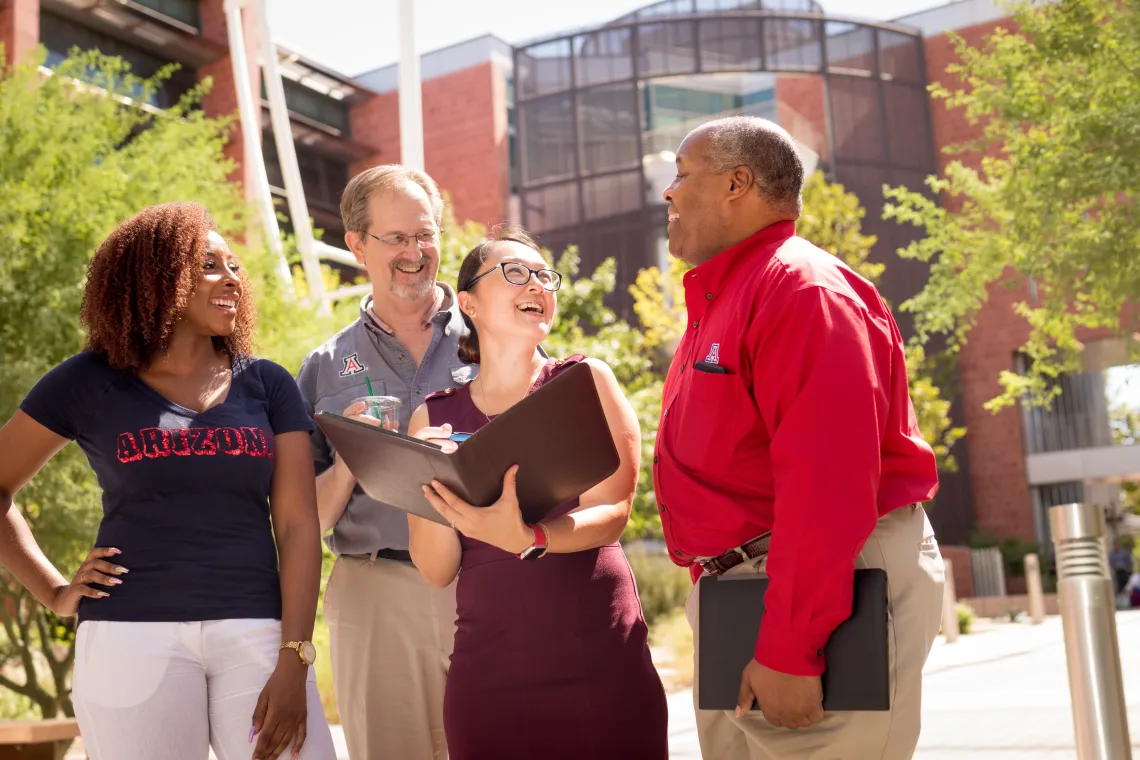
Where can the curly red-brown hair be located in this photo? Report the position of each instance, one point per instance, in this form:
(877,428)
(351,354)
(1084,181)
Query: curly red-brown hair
(140,280)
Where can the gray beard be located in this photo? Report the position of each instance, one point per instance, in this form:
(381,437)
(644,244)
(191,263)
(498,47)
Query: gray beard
(413,291)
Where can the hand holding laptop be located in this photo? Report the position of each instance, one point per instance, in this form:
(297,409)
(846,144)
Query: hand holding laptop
(787,701)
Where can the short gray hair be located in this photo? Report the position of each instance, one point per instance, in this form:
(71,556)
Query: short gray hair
(767,150)
(354,201)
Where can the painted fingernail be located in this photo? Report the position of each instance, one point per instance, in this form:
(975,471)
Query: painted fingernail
(121,570)
(252,731)
(103,593)
(115,551)
(738,713)
(114,581)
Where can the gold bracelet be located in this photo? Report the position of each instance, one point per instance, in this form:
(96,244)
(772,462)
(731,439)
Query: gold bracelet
(545,532)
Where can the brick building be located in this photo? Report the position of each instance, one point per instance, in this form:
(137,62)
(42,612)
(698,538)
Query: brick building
(571,136)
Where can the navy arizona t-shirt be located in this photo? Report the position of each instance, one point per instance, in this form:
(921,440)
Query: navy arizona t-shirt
(185,494)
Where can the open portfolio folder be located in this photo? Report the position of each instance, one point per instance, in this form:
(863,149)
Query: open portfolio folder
(558,436)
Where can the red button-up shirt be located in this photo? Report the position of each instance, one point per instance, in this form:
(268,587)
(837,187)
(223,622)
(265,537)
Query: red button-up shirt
(810,432)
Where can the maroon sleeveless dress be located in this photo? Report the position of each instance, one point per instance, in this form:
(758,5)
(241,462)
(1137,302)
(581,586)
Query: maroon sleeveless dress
(551,657)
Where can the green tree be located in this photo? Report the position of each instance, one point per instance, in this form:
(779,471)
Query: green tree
(77,156)
(1053,205)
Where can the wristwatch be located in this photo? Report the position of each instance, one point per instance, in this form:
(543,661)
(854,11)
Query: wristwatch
(305,650)
(538,548)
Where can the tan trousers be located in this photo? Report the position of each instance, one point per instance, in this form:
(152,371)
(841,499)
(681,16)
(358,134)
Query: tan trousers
(903,544)
(391,636)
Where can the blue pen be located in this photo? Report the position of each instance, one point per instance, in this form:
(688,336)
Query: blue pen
(459,437)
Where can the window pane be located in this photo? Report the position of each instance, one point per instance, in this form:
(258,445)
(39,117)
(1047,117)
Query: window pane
(666,48)
(543,68)
(548,138)
(604,56)
(608,126)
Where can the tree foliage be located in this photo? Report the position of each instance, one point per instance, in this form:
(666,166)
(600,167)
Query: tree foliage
(1053,206)
(78,156)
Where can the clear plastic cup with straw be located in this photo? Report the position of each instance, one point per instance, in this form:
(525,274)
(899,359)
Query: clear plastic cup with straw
(384,409)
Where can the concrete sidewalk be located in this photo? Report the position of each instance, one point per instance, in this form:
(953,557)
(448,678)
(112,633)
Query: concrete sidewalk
(1000,694)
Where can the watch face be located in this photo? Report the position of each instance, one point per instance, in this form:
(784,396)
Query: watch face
(308,652)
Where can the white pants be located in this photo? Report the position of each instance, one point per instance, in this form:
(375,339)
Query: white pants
(170,691)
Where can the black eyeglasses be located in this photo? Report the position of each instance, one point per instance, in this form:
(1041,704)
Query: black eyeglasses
(400,240)
(520,274)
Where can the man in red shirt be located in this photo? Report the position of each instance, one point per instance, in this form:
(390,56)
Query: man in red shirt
(787,411)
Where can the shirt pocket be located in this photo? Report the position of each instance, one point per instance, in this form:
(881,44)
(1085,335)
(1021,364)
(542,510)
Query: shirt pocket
(713,413)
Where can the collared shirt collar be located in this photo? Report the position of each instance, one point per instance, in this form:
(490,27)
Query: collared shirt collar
(443,308)
(714,274)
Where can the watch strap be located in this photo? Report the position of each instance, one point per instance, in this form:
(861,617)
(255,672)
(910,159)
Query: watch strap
(541,542)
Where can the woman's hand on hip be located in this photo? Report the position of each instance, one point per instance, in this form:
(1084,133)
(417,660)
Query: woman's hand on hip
(500,524)
(95,571)
(282,709)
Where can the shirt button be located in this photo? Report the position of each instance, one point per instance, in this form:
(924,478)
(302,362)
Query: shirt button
(677,552)
(661,507)
(708,296)
(654,460)
(420,391)
(695,323)
(682,367)
(402,358)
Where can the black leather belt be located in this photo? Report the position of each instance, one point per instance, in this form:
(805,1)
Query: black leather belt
(398,555)
(749,550)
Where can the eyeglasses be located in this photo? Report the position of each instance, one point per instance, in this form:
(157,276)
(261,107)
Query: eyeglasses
(520,274)
(400,240)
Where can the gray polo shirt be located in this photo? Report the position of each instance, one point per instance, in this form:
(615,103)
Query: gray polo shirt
(333,375)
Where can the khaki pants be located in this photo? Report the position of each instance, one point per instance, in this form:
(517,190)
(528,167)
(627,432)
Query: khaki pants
(903,544)
(391,639)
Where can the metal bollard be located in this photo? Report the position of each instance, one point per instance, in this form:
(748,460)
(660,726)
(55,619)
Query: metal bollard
(949,606)
(1033,588)
(1088,618)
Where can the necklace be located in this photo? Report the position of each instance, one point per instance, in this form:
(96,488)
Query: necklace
(483,395)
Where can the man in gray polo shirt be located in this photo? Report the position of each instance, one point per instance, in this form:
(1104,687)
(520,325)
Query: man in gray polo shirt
(391,632)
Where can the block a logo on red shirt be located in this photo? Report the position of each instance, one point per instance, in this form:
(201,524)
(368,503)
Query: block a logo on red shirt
(714,354)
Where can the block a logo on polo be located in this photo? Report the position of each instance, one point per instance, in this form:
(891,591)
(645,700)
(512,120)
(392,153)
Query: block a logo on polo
(714,354)
(351,366)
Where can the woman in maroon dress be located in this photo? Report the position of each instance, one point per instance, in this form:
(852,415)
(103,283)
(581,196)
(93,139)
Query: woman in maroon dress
(551,659)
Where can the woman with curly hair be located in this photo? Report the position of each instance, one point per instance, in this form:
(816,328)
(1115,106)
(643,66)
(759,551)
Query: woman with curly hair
(191,633)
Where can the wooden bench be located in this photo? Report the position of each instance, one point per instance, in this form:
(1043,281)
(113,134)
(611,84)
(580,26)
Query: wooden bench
(37,739)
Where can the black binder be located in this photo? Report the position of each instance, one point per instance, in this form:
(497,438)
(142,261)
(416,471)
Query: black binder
(558,436)
(856,656)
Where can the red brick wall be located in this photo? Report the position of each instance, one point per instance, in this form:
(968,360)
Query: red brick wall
(465,139)
(19,28)
(801,110)
(222,98)
(997,455)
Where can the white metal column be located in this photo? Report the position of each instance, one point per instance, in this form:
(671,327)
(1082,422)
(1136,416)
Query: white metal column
(411,105)
(254,161)
(411,144)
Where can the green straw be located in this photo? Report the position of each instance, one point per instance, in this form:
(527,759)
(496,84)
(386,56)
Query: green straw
(369,384)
